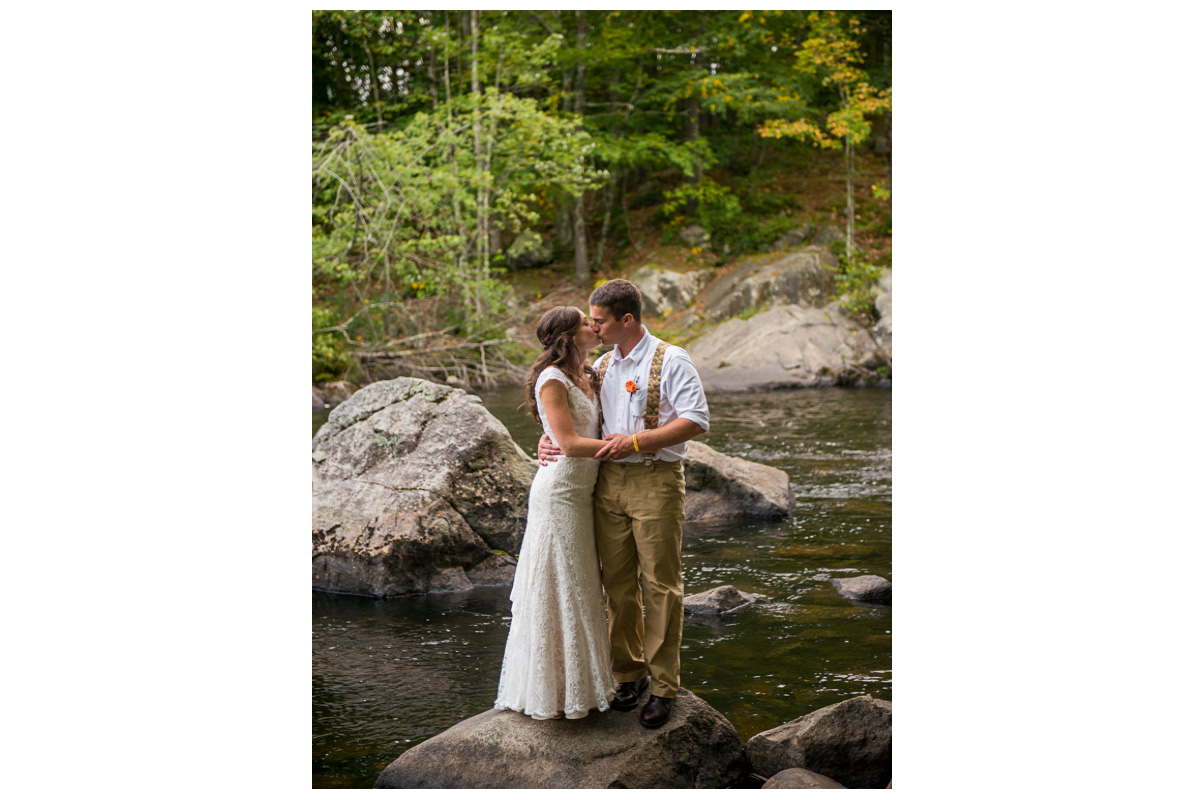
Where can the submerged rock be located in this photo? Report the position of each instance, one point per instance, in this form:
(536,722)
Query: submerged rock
(696,749)
(415,488)
(866,588)
(716,602)
(850,742)
(801,779)
(728,487)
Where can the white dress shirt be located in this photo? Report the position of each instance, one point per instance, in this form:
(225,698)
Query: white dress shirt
(680,394)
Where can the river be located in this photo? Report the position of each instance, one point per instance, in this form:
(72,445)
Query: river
(389,674)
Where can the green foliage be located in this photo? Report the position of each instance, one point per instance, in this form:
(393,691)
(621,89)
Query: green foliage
(746,233)
(858,285)
(329,359)
(405,213)
(715,204)
(413,169)
(832,54)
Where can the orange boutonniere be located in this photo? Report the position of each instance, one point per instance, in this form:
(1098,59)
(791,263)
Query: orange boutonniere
(631,387)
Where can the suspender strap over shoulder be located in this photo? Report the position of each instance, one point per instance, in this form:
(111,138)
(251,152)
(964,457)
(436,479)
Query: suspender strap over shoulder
(653,386)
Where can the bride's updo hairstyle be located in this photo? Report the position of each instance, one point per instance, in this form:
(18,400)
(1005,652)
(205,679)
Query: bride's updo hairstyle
(556,331)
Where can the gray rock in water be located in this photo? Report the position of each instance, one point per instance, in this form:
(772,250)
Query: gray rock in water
(717,602)
(415,485)
(850,742)
(664,291)
(801,278)
(529,250)
(694,236)
(728,487)
(801,779)
(785,346)
(867,588)
(696,749)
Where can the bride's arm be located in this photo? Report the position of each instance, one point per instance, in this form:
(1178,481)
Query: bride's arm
(558,413)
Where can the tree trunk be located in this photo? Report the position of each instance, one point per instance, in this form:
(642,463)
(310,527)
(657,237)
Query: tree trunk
(374,83)
(563,225)
(481,198)
(582,274)
(850,201)
(692,134)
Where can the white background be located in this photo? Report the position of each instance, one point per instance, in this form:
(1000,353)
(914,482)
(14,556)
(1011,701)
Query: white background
(156,506)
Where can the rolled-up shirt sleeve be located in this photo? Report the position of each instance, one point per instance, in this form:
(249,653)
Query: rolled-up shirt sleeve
(682,388)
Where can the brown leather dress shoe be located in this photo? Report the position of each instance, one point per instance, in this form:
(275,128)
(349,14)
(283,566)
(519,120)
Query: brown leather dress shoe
(626,697)
(656,712)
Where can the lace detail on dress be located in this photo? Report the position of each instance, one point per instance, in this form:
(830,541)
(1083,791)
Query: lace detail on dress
(557,656)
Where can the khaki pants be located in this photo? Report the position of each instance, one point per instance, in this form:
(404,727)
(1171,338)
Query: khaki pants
(639,529)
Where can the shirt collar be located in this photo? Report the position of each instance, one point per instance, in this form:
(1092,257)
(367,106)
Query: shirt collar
(638,352)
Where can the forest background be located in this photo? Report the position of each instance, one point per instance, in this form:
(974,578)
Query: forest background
(448,145)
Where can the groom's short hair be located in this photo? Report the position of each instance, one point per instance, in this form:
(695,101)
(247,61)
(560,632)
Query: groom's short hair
(620,297)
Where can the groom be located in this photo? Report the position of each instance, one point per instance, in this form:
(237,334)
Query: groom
(652,404)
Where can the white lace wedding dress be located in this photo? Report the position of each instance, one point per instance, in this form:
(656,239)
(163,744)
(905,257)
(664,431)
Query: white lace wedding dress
(557,657)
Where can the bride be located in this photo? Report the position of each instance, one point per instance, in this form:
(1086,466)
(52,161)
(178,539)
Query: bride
(557,661)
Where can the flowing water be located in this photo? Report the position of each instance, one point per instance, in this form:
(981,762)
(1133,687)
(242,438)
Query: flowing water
(389,674)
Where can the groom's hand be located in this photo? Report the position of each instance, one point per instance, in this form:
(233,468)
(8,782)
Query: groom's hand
(547,451)
(616,447)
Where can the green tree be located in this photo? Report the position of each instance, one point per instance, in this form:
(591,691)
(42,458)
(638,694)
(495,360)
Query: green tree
(408,212)
(832,53)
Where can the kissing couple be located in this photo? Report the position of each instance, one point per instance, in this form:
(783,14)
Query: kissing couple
(605,508)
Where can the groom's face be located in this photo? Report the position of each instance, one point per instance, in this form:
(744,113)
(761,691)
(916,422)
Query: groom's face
(605,327)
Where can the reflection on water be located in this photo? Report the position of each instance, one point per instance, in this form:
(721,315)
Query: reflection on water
(388,674)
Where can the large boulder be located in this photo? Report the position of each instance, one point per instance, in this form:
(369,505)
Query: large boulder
(786,346)
(529,250)
(850,742)
(801,779)
(696,749)
(717,602)
(728,487)
(865,588)
(664,291)
(802,278)
(416,488)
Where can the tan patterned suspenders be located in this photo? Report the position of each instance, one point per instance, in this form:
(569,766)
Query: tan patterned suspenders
(652,386)
(651,418)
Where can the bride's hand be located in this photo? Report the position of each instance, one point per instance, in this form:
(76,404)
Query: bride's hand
(547,451)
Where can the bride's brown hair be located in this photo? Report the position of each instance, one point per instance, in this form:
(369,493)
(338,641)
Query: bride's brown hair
(556,331)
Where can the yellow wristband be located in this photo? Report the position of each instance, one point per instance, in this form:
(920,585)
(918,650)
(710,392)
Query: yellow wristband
(635,447)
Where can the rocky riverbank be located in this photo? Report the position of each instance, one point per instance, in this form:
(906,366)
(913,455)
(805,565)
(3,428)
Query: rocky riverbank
(771,321)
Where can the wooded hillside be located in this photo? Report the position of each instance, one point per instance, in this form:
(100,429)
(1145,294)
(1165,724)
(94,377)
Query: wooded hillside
(451,148)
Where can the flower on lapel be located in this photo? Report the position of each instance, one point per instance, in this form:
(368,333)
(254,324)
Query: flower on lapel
(631,387)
